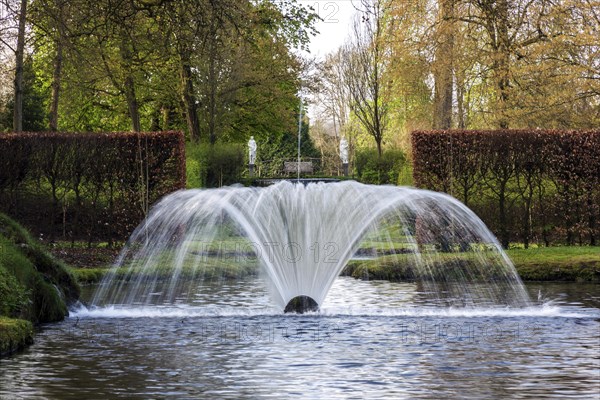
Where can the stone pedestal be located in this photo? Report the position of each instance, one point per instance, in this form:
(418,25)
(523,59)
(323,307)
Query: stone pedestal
(251,170)
(345,169)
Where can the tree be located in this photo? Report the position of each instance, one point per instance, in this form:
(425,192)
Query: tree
(34,115)
(443,66)
(19,53)
(365,64)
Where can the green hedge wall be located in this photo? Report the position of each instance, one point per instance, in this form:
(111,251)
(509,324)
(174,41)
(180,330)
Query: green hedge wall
(372,168)
(526,185)
(87,186)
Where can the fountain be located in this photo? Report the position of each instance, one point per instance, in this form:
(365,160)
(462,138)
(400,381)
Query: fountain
(302,236)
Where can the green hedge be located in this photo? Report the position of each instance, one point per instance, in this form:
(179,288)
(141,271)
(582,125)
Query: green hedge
(526,185)
(216,165)
(375,169)
(94,186)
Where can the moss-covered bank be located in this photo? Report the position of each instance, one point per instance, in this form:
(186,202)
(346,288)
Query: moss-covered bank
(15,334)
(209,271)
(558,264)
(34,286)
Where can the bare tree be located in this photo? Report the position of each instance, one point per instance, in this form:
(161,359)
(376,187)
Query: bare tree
(443,66)
(364,67)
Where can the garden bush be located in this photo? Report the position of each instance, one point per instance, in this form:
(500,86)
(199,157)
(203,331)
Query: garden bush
(217,165)
(375,169)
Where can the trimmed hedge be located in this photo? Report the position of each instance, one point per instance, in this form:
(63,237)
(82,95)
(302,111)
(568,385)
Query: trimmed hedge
(526,185)
(94,186)
(372,168)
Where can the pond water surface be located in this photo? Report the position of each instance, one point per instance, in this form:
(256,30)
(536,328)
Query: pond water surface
(370,340)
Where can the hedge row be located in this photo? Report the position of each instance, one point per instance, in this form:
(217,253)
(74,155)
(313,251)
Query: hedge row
(526,185)
(92,186)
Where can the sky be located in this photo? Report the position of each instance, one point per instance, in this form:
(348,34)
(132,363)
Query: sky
(333,30)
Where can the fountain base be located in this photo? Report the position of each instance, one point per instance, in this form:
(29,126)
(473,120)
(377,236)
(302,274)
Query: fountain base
(301,304)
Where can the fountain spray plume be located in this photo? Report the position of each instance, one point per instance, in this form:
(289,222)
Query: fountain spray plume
(302,237)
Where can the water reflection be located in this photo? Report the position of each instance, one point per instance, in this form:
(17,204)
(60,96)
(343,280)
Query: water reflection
(413,350)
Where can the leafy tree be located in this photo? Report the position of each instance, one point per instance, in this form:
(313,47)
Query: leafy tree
(34,113)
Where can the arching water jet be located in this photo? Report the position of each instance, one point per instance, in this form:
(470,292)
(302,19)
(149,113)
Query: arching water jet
(302,237)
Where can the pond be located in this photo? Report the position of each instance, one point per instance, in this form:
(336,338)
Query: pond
(370,340)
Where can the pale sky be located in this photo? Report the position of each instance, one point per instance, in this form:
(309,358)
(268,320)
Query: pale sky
(333,30)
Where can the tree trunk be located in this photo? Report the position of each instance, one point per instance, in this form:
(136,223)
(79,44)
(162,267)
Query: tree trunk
(212,82)
(18,110)
(57,73)
(460,100)
(503,61)
(129,84)
(189,98)
(56,78)
(442,115)
(166,117)
(132,104)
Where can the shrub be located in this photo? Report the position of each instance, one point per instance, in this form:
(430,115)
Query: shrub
(222,164)
(216,165)
(375,169)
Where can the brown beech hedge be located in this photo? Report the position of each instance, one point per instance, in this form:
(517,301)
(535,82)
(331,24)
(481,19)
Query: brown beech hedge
(526,185)
(87,186)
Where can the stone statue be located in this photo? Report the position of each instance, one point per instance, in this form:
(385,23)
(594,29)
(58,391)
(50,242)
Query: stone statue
(344,150)
(251,151)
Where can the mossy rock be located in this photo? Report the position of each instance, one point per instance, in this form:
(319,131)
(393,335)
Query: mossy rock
(15,334)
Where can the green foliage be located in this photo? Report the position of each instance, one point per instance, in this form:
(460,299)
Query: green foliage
(225,67)
(44,303)
(34,112)
(37,286)
(13,295)
(14,334)
(371,168)
(285,146)
(216,165)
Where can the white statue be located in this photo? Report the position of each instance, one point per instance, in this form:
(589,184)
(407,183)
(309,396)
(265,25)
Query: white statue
(344,150)
(251,151)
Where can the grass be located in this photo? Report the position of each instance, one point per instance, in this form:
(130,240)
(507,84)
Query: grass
(210,269)
(564,263)
(567,264)
(34,286)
